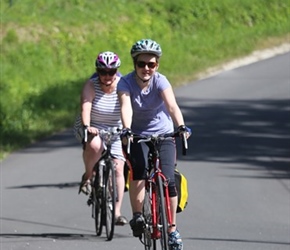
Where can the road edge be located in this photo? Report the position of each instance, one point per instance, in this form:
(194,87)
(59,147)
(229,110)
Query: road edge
(255,56)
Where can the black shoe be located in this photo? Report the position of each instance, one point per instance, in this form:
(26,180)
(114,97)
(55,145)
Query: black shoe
(137,225)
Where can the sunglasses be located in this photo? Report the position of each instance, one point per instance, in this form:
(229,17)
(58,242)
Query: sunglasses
(103,72)
(141,64)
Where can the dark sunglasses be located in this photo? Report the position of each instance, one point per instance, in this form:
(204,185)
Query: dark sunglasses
(103,72)
(141,64)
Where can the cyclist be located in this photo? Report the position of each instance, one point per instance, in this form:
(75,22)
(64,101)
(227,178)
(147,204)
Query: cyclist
(100,109)
(148,106)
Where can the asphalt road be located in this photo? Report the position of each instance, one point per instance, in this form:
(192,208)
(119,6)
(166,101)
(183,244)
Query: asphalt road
(237,169)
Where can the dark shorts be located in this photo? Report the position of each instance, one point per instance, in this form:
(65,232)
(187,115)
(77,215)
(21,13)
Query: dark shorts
(139,159)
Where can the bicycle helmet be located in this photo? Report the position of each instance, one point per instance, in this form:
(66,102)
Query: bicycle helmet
(146,46)
(108,60)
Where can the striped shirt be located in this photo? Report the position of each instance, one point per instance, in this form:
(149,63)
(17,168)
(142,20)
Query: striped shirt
(105,114)
(105,108)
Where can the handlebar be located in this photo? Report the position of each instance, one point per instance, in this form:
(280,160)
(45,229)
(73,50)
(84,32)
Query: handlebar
(155,138)
(106,134)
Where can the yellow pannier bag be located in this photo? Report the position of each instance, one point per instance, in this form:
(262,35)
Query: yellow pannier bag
(182,191)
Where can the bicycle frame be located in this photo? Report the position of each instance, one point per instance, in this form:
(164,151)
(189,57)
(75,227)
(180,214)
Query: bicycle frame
(152,183)
(156,184)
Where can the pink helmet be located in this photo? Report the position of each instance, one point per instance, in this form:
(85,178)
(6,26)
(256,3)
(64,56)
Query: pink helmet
(108,60)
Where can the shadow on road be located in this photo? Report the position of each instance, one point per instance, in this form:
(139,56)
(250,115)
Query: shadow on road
(57,185)
(256,133)
(60,236)
(54,142)
(252,132)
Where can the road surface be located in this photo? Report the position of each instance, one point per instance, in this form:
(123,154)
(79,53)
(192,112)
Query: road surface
(237,170)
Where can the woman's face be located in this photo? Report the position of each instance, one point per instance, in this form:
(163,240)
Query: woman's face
(145,66)
(107,76)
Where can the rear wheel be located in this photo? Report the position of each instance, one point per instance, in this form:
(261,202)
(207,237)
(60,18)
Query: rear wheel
(162,218)
(110,199)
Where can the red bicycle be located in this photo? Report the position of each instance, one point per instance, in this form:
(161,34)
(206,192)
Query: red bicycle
(156,207)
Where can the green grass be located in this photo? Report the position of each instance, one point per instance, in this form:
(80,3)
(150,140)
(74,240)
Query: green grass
(48,49)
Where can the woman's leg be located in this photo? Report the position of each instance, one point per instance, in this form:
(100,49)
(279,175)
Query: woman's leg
(167,160)
(138,164)
(91,155)
(137,192)
(120,185)
(173,206)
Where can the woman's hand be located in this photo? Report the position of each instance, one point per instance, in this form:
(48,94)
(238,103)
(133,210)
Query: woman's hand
(183,129)
(93,130)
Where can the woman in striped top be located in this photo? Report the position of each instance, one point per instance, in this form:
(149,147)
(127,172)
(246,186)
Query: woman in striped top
(100,109)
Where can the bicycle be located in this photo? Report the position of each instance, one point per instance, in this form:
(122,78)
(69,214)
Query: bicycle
(104,192)
(156,207)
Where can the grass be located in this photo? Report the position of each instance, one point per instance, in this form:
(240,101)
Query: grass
(48,49)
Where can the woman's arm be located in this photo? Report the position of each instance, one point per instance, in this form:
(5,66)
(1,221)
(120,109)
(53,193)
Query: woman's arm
(87,97)
(172,106)
(126,109)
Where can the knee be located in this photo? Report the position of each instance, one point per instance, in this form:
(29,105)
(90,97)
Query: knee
(95,144)
(119,168)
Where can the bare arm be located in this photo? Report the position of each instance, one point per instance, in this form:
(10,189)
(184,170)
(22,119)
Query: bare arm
(126,109)
(87,96)
(172,107)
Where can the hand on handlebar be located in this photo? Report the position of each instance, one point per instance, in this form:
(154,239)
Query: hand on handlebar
(182,129)
(87,130)
(126,133)
(92,130)
(125,138)
(185,133)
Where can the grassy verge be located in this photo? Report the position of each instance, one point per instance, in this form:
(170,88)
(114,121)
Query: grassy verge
(48,49)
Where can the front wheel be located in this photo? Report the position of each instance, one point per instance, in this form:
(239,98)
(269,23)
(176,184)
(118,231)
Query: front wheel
(148,242)
(97,206)
(110,199)
(162,218)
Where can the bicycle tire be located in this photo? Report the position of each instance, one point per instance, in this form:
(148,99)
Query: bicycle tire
(110,199)
(162,218)
(98,216)
(97,207)
(148,242)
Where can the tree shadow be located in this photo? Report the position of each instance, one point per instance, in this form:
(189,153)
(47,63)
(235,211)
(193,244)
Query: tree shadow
(59,186)
(256,133)
(60,236)
(63,236)
(54,142)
